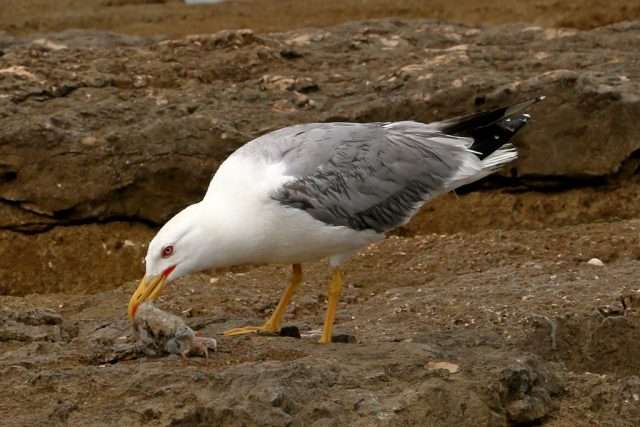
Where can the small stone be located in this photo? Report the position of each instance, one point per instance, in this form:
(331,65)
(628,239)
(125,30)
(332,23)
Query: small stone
(140,81)
(610,311)
(290,53)
(290,331)
(343,337)
(90,140)
(301,100)
(629,301)
(596,261)
(311,334)
(50,44)
(451,367)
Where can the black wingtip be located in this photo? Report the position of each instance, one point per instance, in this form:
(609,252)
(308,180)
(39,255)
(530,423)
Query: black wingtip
(466,125)
(491,130)
(515,108)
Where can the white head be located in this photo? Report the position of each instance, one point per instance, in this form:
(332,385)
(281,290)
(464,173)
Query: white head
(182,246)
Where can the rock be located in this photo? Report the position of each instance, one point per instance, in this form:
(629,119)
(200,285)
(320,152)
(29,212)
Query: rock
(36,317)
(611,310)
(343,337)
(126,127)
(594,342)
(31,325)
(596,262)
(452,368)
(525,398)
(337,336)
(630,301)
(290,331)
(548,359)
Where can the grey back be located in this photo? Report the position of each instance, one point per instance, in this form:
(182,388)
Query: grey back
(363,176)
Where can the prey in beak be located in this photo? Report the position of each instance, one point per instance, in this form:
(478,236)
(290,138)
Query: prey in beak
(148,290)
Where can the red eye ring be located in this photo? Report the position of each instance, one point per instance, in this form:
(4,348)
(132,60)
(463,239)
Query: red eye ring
(167,251)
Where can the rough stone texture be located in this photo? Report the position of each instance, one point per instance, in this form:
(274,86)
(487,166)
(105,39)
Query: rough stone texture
(519,314)
(539,336)
(297,383)
(131,127)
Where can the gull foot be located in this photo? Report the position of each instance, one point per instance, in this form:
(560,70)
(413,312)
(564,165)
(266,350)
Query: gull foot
(251,329)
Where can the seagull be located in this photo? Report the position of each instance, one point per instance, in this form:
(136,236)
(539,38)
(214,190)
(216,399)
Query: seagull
(324,190)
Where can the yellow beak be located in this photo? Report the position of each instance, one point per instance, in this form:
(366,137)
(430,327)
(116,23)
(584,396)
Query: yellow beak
(146,291)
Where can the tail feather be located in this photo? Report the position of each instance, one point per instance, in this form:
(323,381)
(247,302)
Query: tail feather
(462,126)
(477,169)
(488,139)
(490,133)
(505,154)
(490,130)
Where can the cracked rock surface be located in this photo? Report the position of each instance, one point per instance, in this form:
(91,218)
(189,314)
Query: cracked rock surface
(121,126)
(490,328)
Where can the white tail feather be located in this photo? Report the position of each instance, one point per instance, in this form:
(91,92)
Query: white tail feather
(494,161)
(474,169)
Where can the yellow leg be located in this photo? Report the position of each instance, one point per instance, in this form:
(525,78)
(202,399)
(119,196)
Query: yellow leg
(273,324)
(334,294)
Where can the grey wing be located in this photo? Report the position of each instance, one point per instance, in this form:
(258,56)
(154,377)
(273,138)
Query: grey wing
(303,148)
(367,176)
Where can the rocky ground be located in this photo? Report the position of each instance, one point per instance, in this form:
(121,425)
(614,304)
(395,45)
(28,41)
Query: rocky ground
(533,333)
(484,310)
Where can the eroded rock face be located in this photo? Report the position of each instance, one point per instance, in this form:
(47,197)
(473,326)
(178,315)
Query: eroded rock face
(96,125)
(290,382)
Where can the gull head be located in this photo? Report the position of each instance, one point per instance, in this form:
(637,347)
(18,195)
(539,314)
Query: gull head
(180,247)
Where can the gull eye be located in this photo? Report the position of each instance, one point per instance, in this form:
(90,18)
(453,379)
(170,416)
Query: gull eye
(167,251)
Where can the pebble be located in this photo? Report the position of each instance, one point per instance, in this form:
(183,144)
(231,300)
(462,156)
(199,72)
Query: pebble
(343,337)
(451,367)
(336,336)
(290,331)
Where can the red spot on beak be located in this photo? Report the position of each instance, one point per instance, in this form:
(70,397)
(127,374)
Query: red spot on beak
(168,271)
